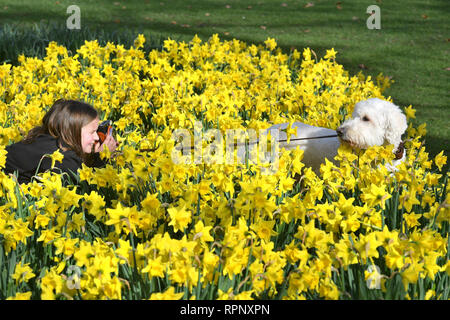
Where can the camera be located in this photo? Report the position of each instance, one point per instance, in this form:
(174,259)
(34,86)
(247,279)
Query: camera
(105,129)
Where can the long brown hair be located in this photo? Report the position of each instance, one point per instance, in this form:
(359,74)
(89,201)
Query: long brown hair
(64,121)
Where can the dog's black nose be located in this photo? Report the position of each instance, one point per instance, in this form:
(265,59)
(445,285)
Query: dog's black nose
(340,132)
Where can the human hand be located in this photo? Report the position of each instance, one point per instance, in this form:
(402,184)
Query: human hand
(109,142)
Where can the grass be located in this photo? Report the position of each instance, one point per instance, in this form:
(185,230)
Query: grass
(411,46)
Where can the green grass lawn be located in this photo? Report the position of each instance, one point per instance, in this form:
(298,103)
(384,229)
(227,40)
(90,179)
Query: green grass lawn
(412,45)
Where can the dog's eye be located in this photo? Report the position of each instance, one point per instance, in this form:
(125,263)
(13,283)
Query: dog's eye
(365,118)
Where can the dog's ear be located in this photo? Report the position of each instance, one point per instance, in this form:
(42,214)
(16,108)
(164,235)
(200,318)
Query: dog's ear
(396,124)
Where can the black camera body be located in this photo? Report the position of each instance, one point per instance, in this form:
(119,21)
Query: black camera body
(105,129)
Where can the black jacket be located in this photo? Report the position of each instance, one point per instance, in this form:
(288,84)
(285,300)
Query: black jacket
(25,157)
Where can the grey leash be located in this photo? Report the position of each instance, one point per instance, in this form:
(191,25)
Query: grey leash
(254,142)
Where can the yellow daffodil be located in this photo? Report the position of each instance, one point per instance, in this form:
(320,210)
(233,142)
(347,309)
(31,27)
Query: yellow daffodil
(270,43)
(330,54)
(21,296)
(410,112)
(56,156)
(23,272)
(179,217)
(440,160)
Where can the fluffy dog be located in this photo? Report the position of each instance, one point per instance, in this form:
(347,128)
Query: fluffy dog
(374,122)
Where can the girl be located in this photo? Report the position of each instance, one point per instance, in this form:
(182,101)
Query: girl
(70,126)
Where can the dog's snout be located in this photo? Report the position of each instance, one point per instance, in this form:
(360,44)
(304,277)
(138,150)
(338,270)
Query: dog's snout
(340,131)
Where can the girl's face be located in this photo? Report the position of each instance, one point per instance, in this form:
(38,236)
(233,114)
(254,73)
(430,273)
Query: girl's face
(89,135)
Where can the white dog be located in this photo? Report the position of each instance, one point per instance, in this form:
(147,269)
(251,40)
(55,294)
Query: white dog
(374,122)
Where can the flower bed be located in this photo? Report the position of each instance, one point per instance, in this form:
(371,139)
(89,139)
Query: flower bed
(146,227)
